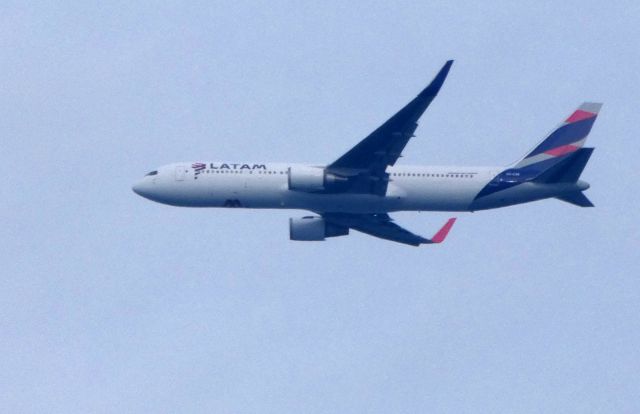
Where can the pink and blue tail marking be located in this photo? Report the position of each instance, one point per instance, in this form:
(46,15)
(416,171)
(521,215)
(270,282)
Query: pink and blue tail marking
(569,137)
(562,143)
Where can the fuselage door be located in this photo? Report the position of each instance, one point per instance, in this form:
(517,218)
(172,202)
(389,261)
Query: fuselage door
(181,172)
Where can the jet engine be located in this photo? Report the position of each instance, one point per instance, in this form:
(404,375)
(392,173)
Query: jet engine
(313,228)
(312,179)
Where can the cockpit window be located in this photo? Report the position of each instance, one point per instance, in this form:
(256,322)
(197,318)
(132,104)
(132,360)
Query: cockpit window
(153,173)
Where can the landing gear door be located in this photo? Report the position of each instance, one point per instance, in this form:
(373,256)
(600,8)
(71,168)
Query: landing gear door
(181,172)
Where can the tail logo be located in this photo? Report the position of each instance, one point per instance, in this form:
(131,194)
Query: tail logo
(567,138)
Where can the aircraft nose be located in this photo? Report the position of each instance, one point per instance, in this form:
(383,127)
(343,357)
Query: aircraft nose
(141,188)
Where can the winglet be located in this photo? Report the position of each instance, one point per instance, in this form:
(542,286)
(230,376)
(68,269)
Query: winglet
(434,87)
(442,233)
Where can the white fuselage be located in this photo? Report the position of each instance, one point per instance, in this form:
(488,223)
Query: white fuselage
(411,188)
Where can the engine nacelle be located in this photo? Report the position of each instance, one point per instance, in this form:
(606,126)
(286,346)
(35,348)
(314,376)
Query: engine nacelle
(314,179)
(313,228)
(307,179)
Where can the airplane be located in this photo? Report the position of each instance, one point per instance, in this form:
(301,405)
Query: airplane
(359,189)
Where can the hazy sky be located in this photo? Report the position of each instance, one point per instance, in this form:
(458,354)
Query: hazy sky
(112,303)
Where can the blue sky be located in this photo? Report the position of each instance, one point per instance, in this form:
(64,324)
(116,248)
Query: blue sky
(111,303)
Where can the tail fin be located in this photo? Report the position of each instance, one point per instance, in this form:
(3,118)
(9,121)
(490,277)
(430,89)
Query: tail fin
(566,139)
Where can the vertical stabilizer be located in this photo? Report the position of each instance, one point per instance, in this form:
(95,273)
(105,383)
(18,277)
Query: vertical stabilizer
(566,139)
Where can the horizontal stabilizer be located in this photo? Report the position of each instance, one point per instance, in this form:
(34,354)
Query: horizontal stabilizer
(567,170)
(578,198)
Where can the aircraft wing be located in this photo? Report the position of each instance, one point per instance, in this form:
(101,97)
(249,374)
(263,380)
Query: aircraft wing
(382,226)
(366,163)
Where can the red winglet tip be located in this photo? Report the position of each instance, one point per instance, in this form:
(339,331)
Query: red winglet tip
(442,233)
